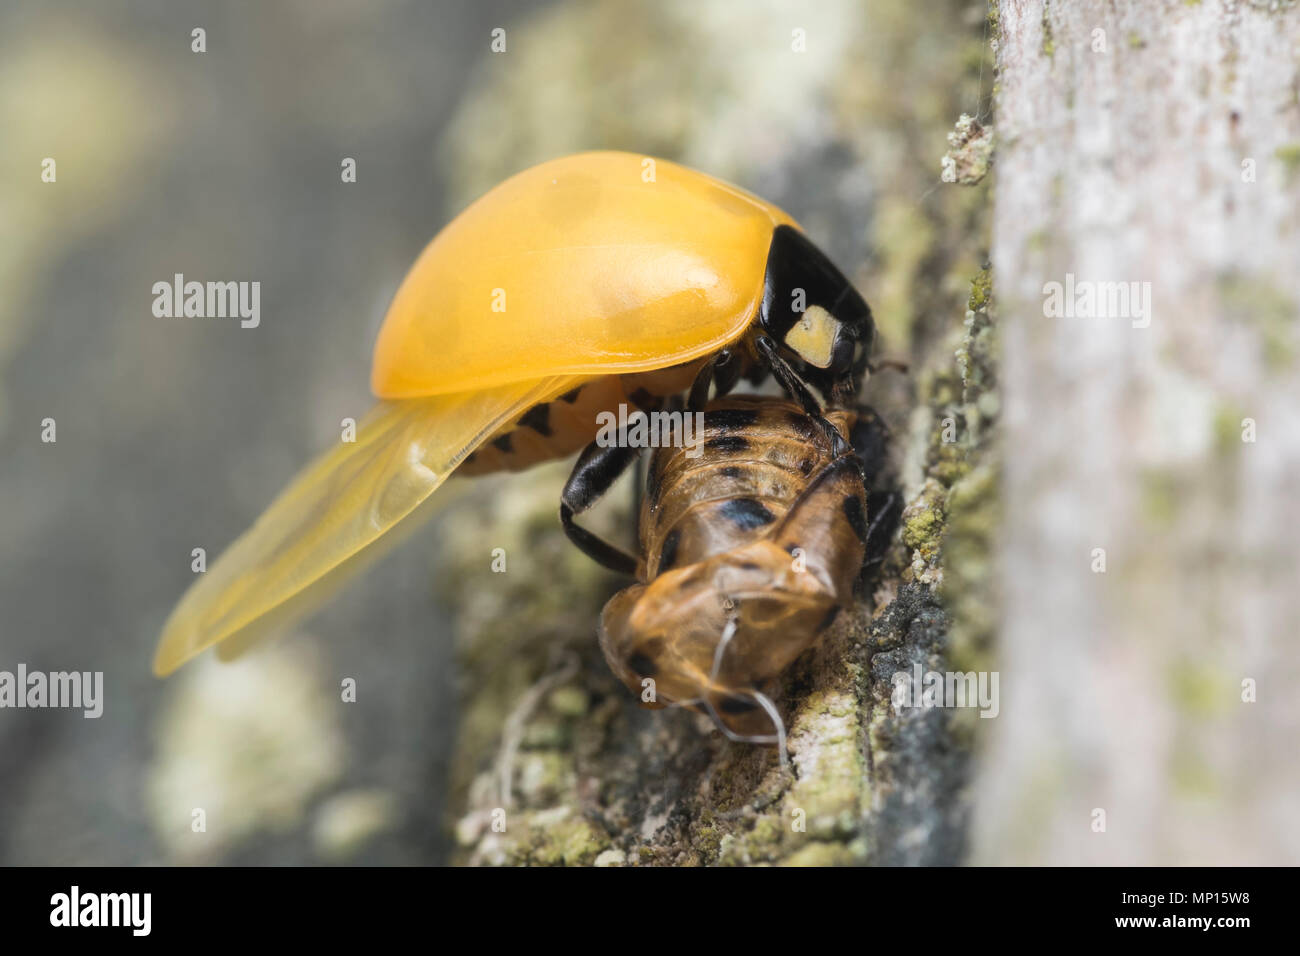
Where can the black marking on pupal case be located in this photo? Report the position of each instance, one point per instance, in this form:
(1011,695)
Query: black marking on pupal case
(727,444)
(746,513)
(730,419)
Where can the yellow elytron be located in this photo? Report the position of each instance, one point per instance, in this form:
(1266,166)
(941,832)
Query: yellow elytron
(559,290)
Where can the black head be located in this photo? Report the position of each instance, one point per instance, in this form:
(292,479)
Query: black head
(815,315)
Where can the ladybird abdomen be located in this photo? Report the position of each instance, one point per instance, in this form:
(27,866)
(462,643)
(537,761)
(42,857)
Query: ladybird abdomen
(560,427)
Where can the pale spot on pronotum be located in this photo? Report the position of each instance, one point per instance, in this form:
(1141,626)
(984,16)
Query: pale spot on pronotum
(1248,690)
(199,560)
(1098,820)
(798,560)
(498,300)
(199,820)
(1247,170)
(48,171)
(498,44)
(349,690)
(648,170)
(799,40)
(349,170)
(1248,430)
(1098,560)
(499,820)
(798,820)
(648,690)
(48,431)
(813,336)
(949,432)
(1098,40)
(349,433)
(199,40)
(498,560)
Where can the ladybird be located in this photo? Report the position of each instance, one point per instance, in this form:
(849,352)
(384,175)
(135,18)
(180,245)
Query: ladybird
(576,285)
(747,553)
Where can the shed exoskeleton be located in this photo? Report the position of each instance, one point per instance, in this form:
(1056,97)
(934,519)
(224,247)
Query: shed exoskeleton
(748,551)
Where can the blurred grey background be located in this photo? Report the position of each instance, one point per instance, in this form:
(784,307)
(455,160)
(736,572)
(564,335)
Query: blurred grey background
(174,433)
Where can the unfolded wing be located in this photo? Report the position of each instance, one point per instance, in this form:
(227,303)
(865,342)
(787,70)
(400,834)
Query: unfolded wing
(339,514)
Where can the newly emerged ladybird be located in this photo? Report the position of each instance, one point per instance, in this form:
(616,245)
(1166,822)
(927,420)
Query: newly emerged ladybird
(748,552)
(573,287)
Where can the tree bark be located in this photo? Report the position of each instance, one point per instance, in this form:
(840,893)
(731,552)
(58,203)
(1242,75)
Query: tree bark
(1155,143)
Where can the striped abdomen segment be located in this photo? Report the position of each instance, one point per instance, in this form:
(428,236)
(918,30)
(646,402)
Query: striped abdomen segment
(558,428)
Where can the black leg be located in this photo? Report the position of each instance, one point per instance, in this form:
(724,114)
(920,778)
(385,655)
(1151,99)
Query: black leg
(721,370)
(788,379)
(595,471)
(870,438)
(726,374)
(885,508)
(638,498)
(699,394)
(800,393)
